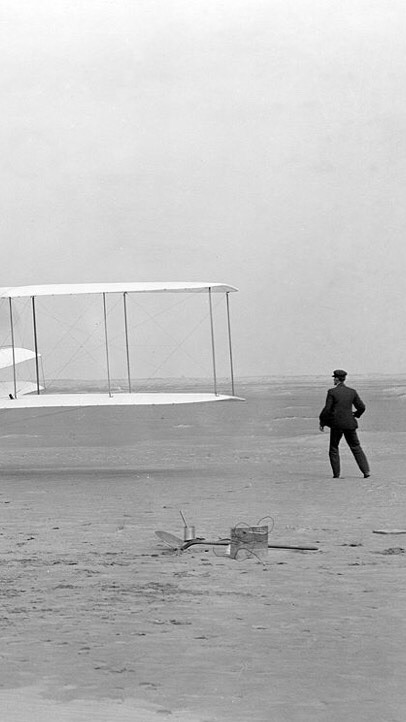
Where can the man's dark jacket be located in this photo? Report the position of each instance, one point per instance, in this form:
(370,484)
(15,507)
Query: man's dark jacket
(338,413)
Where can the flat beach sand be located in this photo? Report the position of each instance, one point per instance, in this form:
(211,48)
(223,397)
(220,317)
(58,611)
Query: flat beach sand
(101,621)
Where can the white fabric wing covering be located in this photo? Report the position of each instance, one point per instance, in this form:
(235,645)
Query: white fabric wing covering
(23,388)
(72,289)
(20,355)
(85,400)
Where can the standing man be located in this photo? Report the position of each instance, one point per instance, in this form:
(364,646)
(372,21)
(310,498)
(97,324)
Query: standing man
(338,414)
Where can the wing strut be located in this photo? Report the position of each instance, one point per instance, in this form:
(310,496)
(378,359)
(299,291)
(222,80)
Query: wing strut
(212,344)
(107,344)
(127,349)
(34,326)
(13,349)
(229,344)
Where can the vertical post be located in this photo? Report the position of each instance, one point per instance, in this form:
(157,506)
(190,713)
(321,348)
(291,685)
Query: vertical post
(127,348)
(34,326)
(212,343)
(229,343)
(107,344)
(13,349)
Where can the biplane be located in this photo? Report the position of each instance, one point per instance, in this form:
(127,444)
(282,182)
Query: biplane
(19,393)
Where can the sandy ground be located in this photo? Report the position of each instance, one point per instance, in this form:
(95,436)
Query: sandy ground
(100,621)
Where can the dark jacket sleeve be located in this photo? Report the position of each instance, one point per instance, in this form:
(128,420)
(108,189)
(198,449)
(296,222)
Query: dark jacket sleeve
(359,405)
(325,415)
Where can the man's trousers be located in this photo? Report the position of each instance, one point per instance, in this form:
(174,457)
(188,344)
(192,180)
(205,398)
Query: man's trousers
(352,440)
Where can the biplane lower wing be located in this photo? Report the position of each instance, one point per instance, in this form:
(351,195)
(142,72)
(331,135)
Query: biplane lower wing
(35,401)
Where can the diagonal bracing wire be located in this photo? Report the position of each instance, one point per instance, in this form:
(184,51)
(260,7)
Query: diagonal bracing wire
(173,338)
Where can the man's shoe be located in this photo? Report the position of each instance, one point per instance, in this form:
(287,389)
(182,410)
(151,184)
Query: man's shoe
(337,476)
(366,476)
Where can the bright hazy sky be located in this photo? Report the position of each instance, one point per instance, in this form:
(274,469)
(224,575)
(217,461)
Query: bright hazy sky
(260,143)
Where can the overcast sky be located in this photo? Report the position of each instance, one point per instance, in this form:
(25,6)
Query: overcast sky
(260,143)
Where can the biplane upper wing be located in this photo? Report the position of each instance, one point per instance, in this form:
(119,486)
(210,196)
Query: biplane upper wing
(73,289)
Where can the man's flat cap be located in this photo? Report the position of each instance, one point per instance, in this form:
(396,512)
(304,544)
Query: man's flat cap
(339,374)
